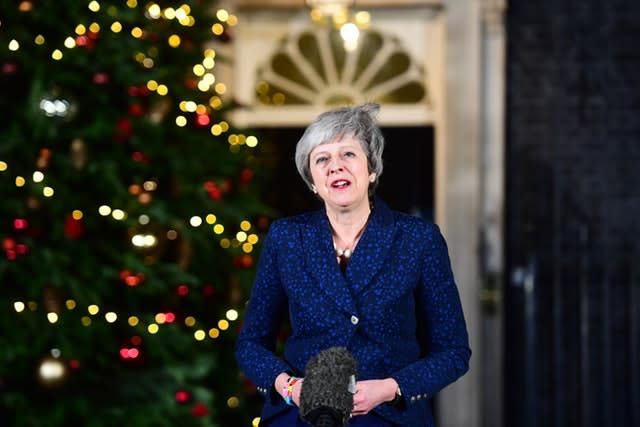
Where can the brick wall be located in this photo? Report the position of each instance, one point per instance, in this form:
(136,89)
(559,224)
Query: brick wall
(573,213)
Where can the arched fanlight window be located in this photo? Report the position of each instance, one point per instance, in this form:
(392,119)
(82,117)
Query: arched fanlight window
(314,67)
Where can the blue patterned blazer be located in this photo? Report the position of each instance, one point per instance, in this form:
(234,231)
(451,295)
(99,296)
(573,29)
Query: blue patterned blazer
(396,308)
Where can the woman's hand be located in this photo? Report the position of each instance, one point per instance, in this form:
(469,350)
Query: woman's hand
(282,382)
(371,393)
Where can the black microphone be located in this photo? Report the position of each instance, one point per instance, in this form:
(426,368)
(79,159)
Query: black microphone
(326,398)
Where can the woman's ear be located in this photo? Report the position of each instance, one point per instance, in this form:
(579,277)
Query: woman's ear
(372,177)
(314,189)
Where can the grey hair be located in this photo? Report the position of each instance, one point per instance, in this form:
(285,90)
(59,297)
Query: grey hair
(358,122)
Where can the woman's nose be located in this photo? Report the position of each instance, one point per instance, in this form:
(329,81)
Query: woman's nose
(335,166)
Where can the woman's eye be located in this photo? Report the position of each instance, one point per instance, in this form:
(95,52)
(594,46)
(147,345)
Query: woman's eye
(349,154)
(320,160)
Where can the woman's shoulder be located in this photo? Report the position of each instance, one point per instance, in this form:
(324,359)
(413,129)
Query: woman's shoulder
(404,222)
(414,223)
(290,223)
(294,220)
(421,233)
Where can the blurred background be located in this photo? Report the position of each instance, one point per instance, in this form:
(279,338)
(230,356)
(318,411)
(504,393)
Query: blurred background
(145,147)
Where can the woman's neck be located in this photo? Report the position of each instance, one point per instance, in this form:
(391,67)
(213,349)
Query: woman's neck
(347,226)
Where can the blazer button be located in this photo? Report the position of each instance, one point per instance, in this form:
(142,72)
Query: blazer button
(354,320)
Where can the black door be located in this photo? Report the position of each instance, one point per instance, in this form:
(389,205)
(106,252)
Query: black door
(572,296)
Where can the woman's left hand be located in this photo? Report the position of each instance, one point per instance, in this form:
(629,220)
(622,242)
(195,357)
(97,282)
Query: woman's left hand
(371,393)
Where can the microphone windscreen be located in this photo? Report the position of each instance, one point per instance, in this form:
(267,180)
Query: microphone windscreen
(328,387)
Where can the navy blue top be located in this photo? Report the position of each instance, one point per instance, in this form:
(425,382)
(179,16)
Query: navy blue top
(396,308)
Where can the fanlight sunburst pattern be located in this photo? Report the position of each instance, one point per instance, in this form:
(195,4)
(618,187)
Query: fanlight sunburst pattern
(315,68)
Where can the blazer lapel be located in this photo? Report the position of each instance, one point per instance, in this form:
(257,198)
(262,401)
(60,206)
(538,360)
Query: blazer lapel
(321,262)
(373,248)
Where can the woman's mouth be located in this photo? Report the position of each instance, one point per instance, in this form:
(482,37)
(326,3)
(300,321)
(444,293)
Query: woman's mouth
(340,183)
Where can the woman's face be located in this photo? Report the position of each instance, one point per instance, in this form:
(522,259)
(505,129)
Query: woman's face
(340,173)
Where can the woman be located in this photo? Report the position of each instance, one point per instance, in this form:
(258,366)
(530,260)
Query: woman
(354,274)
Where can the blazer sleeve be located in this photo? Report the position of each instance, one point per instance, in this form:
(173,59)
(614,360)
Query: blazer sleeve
(443,328)
(256,343)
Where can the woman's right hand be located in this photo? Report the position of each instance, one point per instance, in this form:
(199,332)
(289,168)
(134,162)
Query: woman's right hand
(281,383)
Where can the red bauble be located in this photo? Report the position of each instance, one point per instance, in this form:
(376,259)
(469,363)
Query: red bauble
(202,120)
(246,175)
(182,396)
(246,261)
(215,193)
(139,156)
(73,228)
(136,110)
(213,190)
(13,249)
(243,261)
(20,223)
(208,290)
(8,244)
(82,40)
(9,68)
(182,290)
(199,410)
(130,279)
(143,91)
(87,41)
(101,78)
(124,130)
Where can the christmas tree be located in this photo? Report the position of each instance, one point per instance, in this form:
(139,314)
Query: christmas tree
(130,216)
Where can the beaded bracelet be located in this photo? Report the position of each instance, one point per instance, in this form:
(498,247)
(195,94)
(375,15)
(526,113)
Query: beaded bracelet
(287,391)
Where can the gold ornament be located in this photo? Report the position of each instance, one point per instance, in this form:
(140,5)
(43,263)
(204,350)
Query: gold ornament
(79,153)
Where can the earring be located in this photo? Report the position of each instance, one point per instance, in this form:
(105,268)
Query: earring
(314,189)
(372,178)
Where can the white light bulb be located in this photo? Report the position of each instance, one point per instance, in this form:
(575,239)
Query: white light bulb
(349,32)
